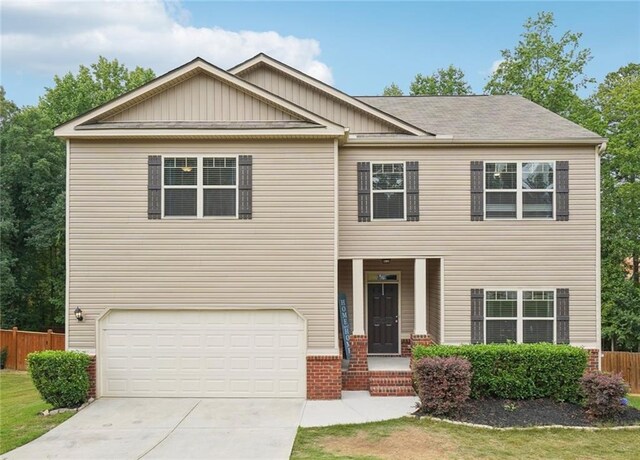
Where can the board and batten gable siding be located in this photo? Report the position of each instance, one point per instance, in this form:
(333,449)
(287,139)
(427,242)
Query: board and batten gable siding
(316,101)
(201,98)
(283,257)
(485,254)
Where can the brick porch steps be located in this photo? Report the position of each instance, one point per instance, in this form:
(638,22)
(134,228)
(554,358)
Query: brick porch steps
(391,383)
(392,391)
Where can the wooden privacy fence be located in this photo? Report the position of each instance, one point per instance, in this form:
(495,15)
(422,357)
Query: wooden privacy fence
(20,343)
(626,363)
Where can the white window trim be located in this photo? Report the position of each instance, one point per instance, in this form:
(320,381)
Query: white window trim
(519,190)
(403,190)
(200,186)
(520,311)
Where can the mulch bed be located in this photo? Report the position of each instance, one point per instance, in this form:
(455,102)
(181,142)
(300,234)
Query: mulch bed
(535,412)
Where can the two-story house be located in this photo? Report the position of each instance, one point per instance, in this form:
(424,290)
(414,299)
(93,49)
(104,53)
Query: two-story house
(214,217)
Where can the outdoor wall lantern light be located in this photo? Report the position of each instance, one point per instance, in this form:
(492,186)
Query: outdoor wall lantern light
(386,261)
(78,313)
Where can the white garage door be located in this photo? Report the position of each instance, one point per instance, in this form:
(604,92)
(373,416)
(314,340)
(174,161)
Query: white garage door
(202,353)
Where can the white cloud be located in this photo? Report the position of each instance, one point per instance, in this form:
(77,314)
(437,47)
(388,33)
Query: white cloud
(51,36)
(495,65)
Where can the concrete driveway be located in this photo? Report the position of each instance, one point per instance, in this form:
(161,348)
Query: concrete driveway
(135,428)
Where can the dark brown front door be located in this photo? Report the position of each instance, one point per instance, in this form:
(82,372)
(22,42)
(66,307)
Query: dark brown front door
(383,318)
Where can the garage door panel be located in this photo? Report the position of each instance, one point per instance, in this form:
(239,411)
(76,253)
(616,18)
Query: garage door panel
(210,353)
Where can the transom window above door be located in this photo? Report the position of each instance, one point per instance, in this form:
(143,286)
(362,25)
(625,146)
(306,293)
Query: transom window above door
(388,190)
(200,186)
(519,190)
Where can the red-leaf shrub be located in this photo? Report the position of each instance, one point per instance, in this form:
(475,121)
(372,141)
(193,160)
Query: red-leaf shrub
(604,393)
(443,384)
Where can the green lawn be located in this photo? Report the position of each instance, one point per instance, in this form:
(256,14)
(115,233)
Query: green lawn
(409,438)
(634,400)
(19,407)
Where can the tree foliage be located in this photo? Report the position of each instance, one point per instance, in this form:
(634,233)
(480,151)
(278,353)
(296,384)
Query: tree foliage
(616,115)
(545,70)
(32,193)
(443,82)
(392,90)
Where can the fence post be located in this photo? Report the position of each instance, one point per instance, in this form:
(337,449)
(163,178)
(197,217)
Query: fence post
(49,332)
(15,346)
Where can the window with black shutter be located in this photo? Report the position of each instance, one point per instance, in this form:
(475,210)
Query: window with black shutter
(203,186)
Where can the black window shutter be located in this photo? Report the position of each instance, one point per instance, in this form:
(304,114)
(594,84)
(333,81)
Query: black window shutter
(477,315)
(413,191)
(154,187)
(477,190)
(364,191)
(562,316)
(245,179)
(562,190)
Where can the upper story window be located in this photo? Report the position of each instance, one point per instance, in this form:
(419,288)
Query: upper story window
(200,187)
(519,190)
(388,190)
(525,316)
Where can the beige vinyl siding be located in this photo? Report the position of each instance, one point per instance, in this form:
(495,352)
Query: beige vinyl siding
(433,298)
(201,98)
(405,266)
(316,101)
(494,253)
(283,257)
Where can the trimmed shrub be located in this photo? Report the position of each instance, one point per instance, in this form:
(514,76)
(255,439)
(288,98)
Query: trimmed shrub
(604,393)
(519,371)
(443,384)
(60,376)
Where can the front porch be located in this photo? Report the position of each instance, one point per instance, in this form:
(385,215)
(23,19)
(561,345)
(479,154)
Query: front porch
(393,304)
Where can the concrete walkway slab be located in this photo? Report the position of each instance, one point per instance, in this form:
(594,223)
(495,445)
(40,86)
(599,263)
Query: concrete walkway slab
(175,428)
(357,407)
(148,428)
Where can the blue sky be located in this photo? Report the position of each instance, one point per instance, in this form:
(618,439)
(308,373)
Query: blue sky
(359,47)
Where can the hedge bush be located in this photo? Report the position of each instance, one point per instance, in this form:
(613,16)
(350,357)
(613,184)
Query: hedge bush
(443,384)
(519,371)
(604,393)
(60,376)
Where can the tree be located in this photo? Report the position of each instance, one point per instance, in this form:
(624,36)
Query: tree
(443,82)
(392,90)
(617,107)
(545,70)
(32,196)
(90,87)
(8,223)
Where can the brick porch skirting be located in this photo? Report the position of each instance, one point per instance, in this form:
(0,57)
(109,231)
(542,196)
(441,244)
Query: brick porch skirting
(324,377)
(356,378)
(593,361)
(91,370)
(405,348)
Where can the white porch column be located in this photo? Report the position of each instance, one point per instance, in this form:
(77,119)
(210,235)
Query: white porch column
(420,297)
(358,297)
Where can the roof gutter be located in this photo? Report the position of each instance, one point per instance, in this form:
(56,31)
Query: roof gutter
(451,141)
(602,147)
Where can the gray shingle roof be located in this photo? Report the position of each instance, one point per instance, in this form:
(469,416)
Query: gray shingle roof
(480,117)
